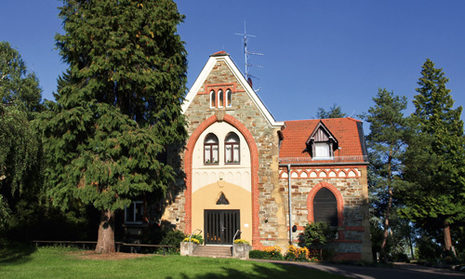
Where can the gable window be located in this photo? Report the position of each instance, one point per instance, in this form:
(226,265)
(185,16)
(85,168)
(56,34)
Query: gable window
(228,98)
(232,149)
(322,150)
(210,149)
(134,213)
(321,144)
(325,207)
(212,99)
(220,98)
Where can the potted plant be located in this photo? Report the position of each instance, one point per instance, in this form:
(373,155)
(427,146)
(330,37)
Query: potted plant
(188,246)
(241,249)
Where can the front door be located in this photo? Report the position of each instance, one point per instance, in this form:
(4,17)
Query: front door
(221,225)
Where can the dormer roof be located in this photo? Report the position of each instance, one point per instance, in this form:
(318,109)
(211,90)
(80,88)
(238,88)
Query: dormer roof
(321,133)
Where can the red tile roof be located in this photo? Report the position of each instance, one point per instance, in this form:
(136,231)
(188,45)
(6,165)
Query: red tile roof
(347,131)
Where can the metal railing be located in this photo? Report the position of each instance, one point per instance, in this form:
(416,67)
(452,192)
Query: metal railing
(234,237)
(308,159)
(199,232)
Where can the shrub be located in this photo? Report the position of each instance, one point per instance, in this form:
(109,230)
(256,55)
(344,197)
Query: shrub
(173,238)
(297,254)
(269,253)
(257,254)
(241,241)
(316,236)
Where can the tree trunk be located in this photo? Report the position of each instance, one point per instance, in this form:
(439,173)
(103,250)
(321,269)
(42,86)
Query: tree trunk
(106,235)
(447,238)
(388,211)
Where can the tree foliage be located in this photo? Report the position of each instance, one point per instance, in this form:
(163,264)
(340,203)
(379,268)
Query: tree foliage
(20,148)
(435,157)
(334,111)
(118,110)
(386,145)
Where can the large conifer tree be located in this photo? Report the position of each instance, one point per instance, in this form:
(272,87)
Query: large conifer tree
(386,144)
(118,105)
(435,161)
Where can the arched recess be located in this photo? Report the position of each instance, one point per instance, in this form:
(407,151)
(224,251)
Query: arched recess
(339,200)
(254,168)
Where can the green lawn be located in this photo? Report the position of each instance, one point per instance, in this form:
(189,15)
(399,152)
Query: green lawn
(48,262)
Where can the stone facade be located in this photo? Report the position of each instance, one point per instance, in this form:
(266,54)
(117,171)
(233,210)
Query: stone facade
(269,178)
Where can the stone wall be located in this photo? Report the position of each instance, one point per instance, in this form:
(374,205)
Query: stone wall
(271,217)
(353,241)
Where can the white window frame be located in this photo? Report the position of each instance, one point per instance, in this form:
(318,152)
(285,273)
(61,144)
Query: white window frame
(327,156)
(133,219)
(212,99)
(228,97)
(220,96)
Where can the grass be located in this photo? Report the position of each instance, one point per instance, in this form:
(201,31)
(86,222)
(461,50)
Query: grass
(54,262)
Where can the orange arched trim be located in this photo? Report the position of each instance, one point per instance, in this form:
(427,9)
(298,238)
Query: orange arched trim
(254,172)
(339,200)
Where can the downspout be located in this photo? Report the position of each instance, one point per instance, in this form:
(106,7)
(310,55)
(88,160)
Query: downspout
(289,202)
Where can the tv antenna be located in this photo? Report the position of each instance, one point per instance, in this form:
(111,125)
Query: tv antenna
(245,38)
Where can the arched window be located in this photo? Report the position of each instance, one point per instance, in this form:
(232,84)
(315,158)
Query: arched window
(212,99)
(220,98)
(325,207)
(228,98)
(210,149)
(232,149)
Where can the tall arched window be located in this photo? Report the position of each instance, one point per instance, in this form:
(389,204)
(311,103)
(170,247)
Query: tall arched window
(228,98)
(232,149)
(325,207)
(220,98)
(212,99)
(210,149)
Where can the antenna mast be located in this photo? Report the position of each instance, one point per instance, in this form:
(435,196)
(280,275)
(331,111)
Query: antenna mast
(245,38)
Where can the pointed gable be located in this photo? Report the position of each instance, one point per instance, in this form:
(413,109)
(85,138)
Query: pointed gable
(321,134)
(220,77)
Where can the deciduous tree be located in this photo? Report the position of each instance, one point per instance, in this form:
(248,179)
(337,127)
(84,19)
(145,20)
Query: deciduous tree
(19,145)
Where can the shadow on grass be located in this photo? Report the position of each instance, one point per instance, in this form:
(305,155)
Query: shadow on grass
(287,271)
(16,253)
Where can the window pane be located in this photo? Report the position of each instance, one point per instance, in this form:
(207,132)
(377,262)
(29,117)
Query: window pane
(236,153)
(325,207)
(228,98)
(215,153)
(129,213)
(207,154)
(228,153)
(139,211)
(212,99)
(220,98)
(322,149)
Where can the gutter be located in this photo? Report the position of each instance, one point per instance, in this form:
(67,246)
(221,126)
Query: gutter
(289,202)
(325,164)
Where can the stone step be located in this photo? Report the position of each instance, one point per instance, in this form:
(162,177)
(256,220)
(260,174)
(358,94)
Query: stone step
(213,251)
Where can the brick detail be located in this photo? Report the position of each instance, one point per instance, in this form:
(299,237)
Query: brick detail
(254,160)
(339,200)
(233,86)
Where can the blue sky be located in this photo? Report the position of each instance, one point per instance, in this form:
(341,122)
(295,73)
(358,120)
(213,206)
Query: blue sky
(316,53)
